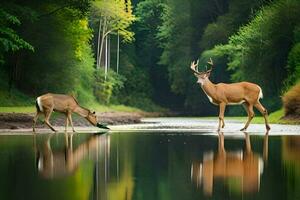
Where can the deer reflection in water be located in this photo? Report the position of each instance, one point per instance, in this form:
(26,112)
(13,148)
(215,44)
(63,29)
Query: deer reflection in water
(246,167)
(64,162)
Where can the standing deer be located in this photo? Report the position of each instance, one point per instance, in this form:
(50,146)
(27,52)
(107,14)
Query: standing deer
(223,94)
(66,104)
(245,166)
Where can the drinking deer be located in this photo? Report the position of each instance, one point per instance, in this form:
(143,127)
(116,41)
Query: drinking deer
(57,163)
(223,94)
(66,104)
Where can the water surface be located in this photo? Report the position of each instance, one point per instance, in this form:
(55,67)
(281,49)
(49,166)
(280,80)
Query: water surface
(149,165)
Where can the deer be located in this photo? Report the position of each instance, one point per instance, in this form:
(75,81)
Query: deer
(246,166)
(53,163)
(47,103)
(223,94)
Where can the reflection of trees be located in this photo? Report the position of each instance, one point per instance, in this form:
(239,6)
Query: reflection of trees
(244,166)
(121,183)
(291,161)
(112,174)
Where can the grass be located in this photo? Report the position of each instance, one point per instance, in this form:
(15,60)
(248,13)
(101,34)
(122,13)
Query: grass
(17,109)
(274,118)
(97,107)
(14,98)
(17,102)
(111,108)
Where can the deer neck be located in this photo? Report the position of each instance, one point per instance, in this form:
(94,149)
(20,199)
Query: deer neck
(83,112)
(209,89)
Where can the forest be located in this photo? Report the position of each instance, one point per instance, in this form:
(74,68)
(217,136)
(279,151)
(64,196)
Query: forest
(137,53)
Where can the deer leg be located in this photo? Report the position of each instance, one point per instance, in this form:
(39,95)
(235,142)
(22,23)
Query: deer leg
(66,140)
(250,112)
(35,120)
(266,147)
(66,123)
(221,147)
(47,117)
(248,143)
(221,116)
(223,123)
(71,122)
(264,112)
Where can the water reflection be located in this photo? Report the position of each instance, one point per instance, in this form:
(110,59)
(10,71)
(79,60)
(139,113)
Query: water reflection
(244,167)
(65,161)
(291,163)
(109,181)
(149,166)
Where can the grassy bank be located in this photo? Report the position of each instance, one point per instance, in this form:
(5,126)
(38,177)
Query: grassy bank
(96,107)
(17,102)
(274,118)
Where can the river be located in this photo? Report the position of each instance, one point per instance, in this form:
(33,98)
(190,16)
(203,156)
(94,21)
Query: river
(163,158)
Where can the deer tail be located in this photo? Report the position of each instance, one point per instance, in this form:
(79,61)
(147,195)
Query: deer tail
(38,105)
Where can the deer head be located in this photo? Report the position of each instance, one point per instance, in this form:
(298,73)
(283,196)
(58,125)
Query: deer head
(92,118)
(201,75)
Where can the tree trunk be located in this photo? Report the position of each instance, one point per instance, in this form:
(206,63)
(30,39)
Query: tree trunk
(108,65)
(102,41)
(106,57)
(98,45)
(118,52)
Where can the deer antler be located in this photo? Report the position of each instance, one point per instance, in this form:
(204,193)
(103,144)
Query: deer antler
(194,67)
(210,62)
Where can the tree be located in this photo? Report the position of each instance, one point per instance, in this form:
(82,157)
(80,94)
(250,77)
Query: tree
(180,33)
(261,47)
(115,17)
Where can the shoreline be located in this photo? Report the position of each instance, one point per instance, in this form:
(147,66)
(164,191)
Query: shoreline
(15,121)
(21,121)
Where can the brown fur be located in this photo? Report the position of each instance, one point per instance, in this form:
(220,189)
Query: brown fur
(66,104)
(225,165)
(223,94)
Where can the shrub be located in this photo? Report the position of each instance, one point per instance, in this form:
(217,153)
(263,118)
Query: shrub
(104,89)
(291,101)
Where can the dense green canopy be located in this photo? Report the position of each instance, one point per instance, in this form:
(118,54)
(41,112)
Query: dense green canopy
(74,47)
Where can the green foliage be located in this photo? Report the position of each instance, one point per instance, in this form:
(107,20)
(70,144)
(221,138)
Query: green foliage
(12,97)
(261,47)
(179,35)
(105,88)
(293,66)
(63,62)
(117,16)
(137,90)
(255,41)
(147,51)
(10,40)
(239,12)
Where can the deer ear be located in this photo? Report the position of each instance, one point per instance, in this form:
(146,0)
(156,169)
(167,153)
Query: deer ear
(207,74)
(196,75)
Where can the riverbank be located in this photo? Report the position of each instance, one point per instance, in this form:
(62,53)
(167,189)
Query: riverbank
(24,120)
(21,117)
